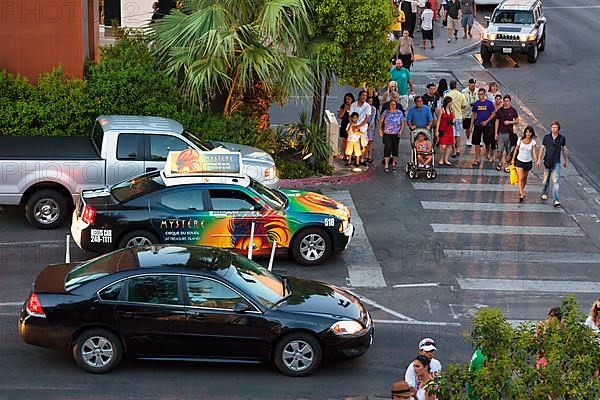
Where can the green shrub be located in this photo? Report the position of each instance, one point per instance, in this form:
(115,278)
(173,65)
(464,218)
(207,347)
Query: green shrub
(289,168)
(128,80)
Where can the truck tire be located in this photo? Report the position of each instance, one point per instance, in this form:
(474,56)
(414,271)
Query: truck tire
(311,246)
(138,238)
(532,54)
(543,42)
(486,55)
(46,209)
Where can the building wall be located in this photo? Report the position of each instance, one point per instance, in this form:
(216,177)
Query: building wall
(38,35)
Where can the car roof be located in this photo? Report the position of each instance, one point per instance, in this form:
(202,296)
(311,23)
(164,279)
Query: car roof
(139,123)
(194,179)
(517,4)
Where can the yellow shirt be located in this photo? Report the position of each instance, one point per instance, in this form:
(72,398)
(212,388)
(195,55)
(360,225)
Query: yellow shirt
(459,103)
(397,26)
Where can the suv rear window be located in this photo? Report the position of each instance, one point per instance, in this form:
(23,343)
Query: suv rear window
(138,186)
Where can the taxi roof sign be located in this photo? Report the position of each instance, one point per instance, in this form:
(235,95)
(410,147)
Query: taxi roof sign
(218,161)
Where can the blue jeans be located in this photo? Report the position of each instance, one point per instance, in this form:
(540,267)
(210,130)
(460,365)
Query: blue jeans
(552,175)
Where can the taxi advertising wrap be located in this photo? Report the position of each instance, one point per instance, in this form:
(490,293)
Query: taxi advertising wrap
(199,200)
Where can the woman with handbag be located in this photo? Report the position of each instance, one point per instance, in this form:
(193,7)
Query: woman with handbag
(445,130)
(523,157)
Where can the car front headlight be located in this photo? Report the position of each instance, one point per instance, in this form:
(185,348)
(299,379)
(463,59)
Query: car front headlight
(344,226)
(528,38)
(346,327)
(489,36)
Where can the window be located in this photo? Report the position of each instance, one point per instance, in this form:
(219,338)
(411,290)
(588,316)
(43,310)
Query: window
(136,187)
(153,289)
(211,294)
(112,292)
(127,146)
(189,200)
(161,145)
(231,200)
(275,200)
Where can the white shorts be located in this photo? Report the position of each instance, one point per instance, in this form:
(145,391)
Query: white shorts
(364,140)
(404,102)
(457,127)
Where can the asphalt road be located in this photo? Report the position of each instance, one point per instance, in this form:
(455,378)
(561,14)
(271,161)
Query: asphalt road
(563,84)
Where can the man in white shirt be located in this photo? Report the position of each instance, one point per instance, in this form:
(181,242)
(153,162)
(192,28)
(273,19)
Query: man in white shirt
(363,109)
(426,348)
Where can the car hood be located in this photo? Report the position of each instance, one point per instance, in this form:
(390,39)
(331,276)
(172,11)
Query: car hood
(310,202)
(514,29)
(317,298)
(248,153)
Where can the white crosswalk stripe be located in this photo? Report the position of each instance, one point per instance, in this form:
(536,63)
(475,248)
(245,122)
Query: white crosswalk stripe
(472,187)
(500,207)
(524,256)
(507,230)
(523,285)
(470,172)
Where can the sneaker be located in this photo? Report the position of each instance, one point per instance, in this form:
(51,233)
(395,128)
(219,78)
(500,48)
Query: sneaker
(450,40)
(469,144)
(508,170)
(427,166)
(544,196)
(556,203)
(420,165)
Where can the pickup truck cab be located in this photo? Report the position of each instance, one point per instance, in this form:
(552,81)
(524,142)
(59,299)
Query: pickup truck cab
(46,174)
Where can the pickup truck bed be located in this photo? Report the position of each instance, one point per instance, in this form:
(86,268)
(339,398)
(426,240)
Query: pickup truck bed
(47,148)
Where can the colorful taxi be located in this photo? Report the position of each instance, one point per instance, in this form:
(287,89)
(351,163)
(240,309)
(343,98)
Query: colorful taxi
(203,199)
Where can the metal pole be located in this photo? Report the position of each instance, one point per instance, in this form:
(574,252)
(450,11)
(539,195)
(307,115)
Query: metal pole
(272,255)
(68,253)
(251,245)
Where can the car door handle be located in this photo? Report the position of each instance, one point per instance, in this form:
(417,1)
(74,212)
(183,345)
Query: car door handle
(125,314)
(150,169)
(198,317)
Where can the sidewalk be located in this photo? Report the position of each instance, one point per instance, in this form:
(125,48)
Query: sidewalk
(443,49)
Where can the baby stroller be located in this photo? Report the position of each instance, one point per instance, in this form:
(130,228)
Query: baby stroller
(412,167)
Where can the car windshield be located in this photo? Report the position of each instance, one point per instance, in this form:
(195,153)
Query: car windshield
(201,144)
(136,187)
(264,286)
(513,17)
(275,199)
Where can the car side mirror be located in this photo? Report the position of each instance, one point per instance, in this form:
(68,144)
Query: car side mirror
(487,19)
(241,308)
(541,20)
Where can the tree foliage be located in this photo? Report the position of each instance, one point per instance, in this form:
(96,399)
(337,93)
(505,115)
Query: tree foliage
(553,360)
(219,49)
(352,39)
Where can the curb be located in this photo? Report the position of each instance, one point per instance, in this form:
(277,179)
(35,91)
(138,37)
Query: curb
(327,180)
(477,26)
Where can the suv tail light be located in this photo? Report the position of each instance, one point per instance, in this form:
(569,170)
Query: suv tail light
(34,306)
(88,215)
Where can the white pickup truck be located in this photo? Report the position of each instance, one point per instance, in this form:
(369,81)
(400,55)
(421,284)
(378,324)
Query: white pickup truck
(46,173)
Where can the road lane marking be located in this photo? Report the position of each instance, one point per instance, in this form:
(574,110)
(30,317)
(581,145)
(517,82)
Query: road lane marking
(568,7)
(522,285)
(363,268)
(426,323)
(523,256)
(382,307)
(507,230)
(411,285)
(470,172)
(500,207)
(12,303)
(473,187)
(35,242)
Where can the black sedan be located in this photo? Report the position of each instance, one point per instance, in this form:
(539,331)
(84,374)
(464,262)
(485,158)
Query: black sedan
(191,303)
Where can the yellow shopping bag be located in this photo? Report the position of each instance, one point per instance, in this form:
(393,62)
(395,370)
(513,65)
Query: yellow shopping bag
(514,178)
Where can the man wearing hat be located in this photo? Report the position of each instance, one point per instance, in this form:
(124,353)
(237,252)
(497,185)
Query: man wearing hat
(427,348)
(401,390)
(471,97)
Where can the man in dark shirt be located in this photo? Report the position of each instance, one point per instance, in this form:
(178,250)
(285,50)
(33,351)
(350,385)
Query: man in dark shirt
(552,145)
(506,118)
(430,99)
(453,12)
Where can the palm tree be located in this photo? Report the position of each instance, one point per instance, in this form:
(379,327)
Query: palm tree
(236,54)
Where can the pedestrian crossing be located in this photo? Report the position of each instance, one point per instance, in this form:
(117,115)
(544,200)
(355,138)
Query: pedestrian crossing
(484,233)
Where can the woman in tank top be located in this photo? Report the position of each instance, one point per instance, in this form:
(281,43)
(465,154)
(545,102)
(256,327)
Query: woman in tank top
(524,156)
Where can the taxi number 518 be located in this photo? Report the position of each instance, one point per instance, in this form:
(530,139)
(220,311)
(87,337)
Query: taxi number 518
(329,221)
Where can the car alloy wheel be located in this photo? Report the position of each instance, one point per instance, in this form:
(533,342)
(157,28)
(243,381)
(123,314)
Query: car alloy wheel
(312,247)
(298,356)
(138,241)
(97,352)
(46,211)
